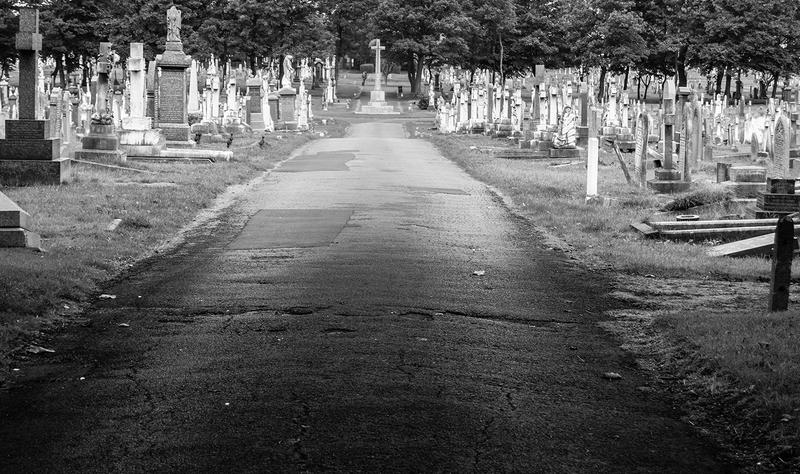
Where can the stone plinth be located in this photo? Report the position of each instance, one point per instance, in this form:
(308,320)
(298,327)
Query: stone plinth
(29,155)
(142,142)
(14,226)
(101,145)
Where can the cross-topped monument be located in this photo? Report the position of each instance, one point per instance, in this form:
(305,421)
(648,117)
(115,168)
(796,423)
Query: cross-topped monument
(29,43)
(377,97)
(29,154)
(376,45)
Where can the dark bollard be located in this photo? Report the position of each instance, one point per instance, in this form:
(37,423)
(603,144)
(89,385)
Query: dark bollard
(782,264)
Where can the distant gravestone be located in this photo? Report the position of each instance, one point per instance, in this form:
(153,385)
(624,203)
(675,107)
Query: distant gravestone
(172,100)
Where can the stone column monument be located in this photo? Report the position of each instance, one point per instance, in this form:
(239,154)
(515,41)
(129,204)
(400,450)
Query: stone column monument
(29,154)
(171,100)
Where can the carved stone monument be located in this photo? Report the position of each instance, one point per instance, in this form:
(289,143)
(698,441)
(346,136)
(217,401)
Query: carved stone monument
(137,137)
(668,179)
(102,142)
(171,111)
(377,96)
(29,154)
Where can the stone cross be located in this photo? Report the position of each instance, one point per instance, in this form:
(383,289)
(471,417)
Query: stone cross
(29,43)
(376,45)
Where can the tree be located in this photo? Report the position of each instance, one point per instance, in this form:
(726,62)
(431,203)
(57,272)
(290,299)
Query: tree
(611,36)
(423,33)
(9,24)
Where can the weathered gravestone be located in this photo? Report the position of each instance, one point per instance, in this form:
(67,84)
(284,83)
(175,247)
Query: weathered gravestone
(102,142)
(29,154)
(138,138)
(779,198)
(640,150)
(255,104)
(171,99)
(668,179)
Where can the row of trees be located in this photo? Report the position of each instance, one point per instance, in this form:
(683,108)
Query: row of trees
(643,38)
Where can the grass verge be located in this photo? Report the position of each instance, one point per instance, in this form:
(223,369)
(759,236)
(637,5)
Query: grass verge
(40,291)
(739,367)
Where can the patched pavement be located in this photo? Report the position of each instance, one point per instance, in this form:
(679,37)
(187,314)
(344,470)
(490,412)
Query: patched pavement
(368,307)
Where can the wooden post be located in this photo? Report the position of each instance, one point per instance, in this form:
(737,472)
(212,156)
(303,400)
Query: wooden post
(781,265)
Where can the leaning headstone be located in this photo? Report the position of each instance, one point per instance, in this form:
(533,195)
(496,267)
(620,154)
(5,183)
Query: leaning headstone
(29,154)
(171,97)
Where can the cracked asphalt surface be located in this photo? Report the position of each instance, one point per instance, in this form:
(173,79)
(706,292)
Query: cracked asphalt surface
(284,338)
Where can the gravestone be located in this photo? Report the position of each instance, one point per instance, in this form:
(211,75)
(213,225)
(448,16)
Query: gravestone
(102,142)
(138,138)
(29,154)
(668,179)
(640,150)
(171,99)
(254,105)
(779,198)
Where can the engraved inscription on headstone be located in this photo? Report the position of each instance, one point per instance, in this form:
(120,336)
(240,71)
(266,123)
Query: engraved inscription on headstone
(27,129)
(172,100)
(779,164)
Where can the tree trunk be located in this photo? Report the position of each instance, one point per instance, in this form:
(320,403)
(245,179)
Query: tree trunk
(680,65)
(625,81)
(720,74)
(601,84)
(638,88)
(728,84)
(775,76)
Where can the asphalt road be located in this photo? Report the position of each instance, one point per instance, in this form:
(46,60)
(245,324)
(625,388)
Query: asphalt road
(331,320)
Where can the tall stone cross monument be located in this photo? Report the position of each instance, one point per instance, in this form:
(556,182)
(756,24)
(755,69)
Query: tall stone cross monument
(376,45)
(30,154)
(377,97)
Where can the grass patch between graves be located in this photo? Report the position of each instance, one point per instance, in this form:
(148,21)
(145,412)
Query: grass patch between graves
(42,290)
(731,350)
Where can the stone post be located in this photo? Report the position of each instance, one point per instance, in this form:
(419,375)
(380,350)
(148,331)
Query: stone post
(29,154)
